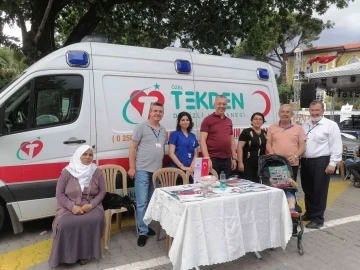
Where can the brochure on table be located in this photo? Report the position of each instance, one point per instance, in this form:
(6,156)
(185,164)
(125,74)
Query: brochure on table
(187,193)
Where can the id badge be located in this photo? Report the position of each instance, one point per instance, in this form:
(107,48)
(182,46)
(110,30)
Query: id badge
(158,145)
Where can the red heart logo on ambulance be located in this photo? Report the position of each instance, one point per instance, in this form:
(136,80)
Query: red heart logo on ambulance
(137,94)
(35,146)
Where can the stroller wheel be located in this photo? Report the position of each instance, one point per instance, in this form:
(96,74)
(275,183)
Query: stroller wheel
(300,248)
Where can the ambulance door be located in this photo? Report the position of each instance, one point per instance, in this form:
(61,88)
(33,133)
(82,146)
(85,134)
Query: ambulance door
(43,121)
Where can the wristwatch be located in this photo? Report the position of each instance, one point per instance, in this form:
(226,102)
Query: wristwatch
(233,158)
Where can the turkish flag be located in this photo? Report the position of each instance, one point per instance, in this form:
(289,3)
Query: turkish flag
(326,59)
(312,60)
(205,167)
(322,59)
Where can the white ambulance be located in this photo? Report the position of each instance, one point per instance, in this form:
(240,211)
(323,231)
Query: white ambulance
(95,94)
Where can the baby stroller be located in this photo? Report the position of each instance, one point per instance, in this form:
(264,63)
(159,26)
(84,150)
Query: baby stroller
(264,175)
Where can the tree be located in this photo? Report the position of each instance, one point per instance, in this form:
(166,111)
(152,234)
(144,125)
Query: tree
(270,39)
(210,26)
(286,91)
(12,63)
(344,98)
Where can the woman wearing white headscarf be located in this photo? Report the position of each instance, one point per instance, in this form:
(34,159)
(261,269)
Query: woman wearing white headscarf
(79,222)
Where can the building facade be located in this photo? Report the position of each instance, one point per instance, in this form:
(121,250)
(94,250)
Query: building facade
(345,54)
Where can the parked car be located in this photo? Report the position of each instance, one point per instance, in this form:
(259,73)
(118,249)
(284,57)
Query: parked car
(348,136)
(351,145)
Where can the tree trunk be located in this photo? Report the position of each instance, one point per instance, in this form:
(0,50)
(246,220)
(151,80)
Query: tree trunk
(45,43)
(283,64)
(90,21)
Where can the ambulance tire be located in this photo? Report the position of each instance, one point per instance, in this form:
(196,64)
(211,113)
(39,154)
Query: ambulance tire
(2,216)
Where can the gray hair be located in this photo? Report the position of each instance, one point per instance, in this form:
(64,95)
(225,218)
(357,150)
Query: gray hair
(315,102)
(220,96)
(286,105)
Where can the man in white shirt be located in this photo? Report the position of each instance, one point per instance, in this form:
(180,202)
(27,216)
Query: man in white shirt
(322,153)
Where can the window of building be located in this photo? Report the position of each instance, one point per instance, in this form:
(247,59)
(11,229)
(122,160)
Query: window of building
(322,67)
(353,60)
(320,94)
(53,100)
(309,69)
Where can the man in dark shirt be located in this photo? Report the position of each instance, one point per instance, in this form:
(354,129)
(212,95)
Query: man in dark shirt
(216,139)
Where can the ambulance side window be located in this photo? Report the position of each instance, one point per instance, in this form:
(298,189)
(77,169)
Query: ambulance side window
(17,110)
(57,99)
(43,102)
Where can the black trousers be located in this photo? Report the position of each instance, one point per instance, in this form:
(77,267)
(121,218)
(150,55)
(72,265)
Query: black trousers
(222,164)
(250,170)
(315,184)
(295,172)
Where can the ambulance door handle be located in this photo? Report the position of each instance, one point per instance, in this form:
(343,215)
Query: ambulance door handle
(76,141)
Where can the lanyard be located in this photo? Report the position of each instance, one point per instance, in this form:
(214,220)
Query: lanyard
(158,134)
(285,128)
(310,129)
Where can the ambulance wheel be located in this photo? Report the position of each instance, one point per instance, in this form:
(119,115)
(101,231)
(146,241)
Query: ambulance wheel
(2,215)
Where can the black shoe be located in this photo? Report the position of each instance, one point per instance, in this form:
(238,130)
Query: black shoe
(305,217)
(83,261)
(142,240)
(151,232)
(314,225)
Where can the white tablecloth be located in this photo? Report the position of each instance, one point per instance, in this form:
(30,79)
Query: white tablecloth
(221,229)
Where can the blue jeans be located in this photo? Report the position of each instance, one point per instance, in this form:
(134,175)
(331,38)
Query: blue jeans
(143,191)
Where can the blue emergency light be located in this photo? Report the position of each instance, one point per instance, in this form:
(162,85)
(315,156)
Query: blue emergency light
(182,66)
(263,74)
(77,59)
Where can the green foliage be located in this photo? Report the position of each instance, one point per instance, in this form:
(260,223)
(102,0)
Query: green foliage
(209,26)
(340,101)
(286,91)
(12,63)
(270,38)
